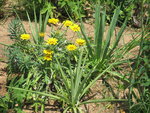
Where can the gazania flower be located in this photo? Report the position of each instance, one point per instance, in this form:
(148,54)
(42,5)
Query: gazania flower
(48,52)
(67,23)
(75,27)
(41,34)
(80,41)
(47,57)
(52,41)
(71,47)
(53,21)
(25,36)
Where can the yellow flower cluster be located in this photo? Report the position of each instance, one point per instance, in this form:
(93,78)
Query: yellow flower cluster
(53,21)
(75,27)
(25,36)
(52,41)
(48,54)
(67,23)
(41,34)
(48,57)
(80,42)
(71,47)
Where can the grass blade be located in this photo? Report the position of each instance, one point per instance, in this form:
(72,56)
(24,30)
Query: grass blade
(36,26)
(118,75)
(110,32)
(31,28)
(95,79)
(87,40)
(103,100)
(118,37)
(63,77)
(56,96)
(46,20)
(99,30)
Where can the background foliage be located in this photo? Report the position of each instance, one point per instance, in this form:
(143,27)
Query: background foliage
(1,8)
(75,9)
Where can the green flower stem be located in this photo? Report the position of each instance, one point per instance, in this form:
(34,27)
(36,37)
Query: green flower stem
(4,44)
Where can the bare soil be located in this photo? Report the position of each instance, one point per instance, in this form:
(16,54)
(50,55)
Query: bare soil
(98,89)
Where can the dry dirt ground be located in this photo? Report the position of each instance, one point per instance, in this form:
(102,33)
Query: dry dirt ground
(93,108)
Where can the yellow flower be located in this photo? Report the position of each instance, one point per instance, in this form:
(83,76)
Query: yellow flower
(25,36)
(41,34)
(67,23)
(49,52)
(52,41)
(47,57)
(75,27)
(71,47)
(80,41)
(53,21)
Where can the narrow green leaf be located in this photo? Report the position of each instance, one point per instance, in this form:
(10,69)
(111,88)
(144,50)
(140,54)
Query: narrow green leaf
(83,85)
(72,81)
(103,100)
(4,44)
(46,20)
(32,29)
(118,75)
(40,1)
(95,79)
(63,77)
(87,40)
(36,26)
(41,23)
(79,75)
(56,96)
(110,32)
(66,109)
(118,37)
(99,30)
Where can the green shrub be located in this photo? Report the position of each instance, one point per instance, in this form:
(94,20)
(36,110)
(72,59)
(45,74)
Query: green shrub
(62,8)
(72,8)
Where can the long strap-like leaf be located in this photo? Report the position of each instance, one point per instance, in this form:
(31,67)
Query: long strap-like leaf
(54,96)
(110,32)
(36,26)
(31,28)
(96,78)
(89,48)
(118,37)
(103,100)
(99,31)
(63,77)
